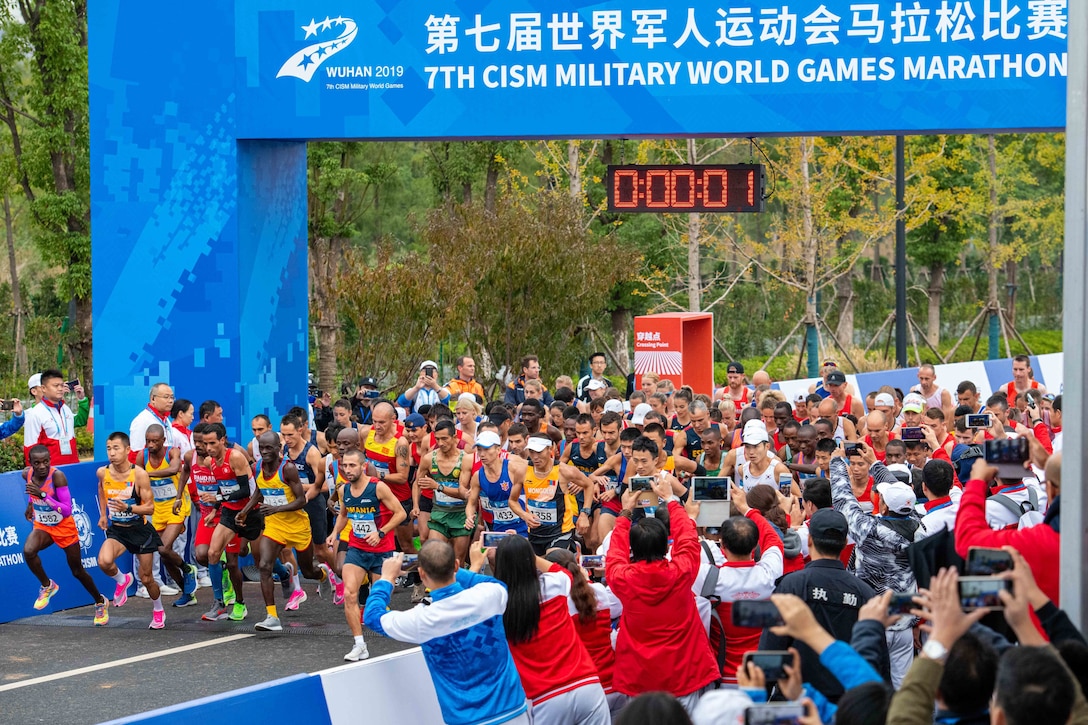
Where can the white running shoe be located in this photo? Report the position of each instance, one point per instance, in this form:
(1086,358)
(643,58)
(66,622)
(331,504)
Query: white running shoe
(204,581)
(270,624)
(141,592)
(168,590)
(358,652)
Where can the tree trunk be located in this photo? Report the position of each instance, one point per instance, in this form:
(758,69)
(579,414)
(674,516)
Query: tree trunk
(934,293)
(995,219)
(844,295)
(574,170)
(810,251)
(324,254)
(21,363)
(694,277)
(621,337)
(82,346)
(1010,279)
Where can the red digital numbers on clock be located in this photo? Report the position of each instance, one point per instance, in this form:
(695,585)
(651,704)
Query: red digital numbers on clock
(686,188)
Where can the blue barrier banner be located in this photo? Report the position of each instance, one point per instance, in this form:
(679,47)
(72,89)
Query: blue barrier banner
(563,68)
(19,586)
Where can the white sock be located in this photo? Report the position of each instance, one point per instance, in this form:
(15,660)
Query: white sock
(359,641)
(158,604)
(120,578)
(296,581)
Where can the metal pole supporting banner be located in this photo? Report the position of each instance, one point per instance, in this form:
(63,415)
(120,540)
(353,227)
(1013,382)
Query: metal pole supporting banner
(900,254)
(1074,519)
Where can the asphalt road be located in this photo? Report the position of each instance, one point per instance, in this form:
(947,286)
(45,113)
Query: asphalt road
(314,638)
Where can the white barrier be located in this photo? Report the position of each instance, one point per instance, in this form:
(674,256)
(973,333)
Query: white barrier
(392,688)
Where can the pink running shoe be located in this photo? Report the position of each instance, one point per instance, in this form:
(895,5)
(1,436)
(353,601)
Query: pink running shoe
(338,591)
(120,594)
(297,597)
(158,620)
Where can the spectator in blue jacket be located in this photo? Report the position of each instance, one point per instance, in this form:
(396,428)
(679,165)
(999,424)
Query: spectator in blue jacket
(9,427)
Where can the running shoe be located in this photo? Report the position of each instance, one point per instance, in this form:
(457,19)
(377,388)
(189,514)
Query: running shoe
(270,624)
(158,620)
(186,600)
(101,613)
(204,581)
(358,652)
(228,588)
(419,591)
(190,582)
(218,611)
(239,612)
(141,592)
(287,584)
(45,594)
(120,594)
(168,590)
(297,597)
(338,593)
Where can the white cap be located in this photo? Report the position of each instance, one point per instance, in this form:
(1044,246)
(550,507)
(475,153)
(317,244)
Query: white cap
(35,381)
(755,432)
(902,471)
(638,416)
(488,439)
(538,444)
(884,400)
(898,497)
(428,364)
(596,384)
(613,406)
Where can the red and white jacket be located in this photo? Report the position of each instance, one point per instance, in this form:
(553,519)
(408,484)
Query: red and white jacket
(53,426)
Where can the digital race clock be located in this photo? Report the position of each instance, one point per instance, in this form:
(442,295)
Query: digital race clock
(686,188)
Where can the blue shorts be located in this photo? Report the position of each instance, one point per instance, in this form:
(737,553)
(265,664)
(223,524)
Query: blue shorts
(367,560)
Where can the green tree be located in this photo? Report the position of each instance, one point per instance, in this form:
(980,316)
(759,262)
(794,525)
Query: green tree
(44,104)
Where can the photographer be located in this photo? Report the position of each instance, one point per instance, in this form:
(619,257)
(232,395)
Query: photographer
(9,427)
(426,391)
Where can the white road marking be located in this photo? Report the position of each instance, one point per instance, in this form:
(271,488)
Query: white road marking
(125,661)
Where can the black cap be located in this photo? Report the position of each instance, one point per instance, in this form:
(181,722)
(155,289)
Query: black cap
(735,367)
(828,524)
(836,377)
(368,382)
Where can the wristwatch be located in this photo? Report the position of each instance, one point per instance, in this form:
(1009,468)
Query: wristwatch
(935,651)
(381,534)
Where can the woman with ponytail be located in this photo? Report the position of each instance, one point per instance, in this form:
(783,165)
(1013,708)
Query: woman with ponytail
(592,608)
(556,671)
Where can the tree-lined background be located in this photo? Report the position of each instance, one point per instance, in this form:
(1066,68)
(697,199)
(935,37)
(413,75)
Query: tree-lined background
(503,248)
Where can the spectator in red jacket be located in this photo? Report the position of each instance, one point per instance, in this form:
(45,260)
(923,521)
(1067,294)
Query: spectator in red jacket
(1040,545)
(661,643)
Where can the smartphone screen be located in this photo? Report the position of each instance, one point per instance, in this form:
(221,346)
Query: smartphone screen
(72,383)
(979,420)
(977,592)
(912,434)
(987,562)
(1008,456)
(772,662)
(758,613)
(642,483)
(711,488)
(7,405)
(593,561)
(774,713)
(902,603)
(491,539)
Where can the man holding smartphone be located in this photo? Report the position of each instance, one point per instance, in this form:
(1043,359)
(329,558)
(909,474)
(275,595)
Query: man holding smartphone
(51,423)
(9,427)
(426,391)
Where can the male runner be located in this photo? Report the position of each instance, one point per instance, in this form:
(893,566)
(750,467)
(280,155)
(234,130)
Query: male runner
(492,481)
(587,454)
(549,490)
(371,512)
(163,466)
(390,455)
(447,473)
(285,524)
(310,465)
(237,498)
(50,508)
(346,440)
(124,499)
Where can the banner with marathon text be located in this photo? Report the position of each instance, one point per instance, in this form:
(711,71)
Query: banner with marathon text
(20,587)
(564,68)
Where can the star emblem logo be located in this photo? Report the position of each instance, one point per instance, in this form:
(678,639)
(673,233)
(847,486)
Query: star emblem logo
(328,37)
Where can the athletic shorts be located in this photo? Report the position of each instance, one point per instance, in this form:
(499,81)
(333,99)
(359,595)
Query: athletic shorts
(317,511)
(449,524)
(289,529)
(426,505)
(63,535)
(137,539)
(367,560)
(406,504)
(342,546)
(251,530)
(164,513)
(564,541)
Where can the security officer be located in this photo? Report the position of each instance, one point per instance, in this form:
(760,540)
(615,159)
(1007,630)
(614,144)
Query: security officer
(833,594)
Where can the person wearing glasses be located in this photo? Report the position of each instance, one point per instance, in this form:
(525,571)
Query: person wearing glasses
(157,411)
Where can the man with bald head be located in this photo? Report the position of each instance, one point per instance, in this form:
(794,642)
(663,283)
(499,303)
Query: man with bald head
(761,377)
(845,430)
(879,434)
(391,457)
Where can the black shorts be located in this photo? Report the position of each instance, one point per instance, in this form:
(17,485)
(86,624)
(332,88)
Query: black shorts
(407,504)
(252,529)
(137,539)
(426,505)
(563,541)
(317,511)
